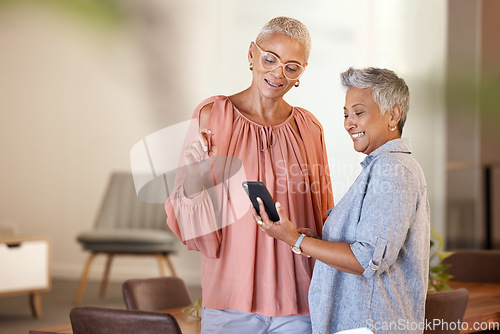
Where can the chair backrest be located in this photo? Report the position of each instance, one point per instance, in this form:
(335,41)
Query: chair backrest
(121,208)
(98,320)
(154,294)
(474,265)
(445,307)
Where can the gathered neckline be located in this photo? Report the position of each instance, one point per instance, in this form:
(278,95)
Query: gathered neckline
(285,122)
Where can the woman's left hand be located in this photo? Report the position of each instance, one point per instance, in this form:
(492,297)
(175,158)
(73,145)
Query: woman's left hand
(283,229)
(308,232)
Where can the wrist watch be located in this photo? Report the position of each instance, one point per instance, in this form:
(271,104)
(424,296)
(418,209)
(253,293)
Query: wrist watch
(296,248)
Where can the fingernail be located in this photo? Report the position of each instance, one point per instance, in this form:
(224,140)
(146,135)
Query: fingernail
(259,200)
(278,205)
(209,131)
(205,148)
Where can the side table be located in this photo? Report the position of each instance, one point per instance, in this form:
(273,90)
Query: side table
(25,268)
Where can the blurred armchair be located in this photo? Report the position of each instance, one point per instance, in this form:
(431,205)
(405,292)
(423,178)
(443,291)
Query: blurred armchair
(474,265)
(99,320)
(126,226)
(446,307)
(154,294)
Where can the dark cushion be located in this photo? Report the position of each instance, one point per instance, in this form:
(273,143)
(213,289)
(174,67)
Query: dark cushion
(128,240)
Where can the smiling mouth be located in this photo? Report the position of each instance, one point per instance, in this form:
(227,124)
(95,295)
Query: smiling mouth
(358,135)
(273,84)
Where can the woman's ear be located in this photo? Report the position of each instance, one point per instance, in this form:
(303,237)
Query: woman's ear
(250,53)
(395,115)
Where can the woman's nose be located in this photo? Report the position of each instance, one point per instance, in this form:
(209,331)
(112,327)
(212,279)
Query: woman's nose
(278,71)
(349,123)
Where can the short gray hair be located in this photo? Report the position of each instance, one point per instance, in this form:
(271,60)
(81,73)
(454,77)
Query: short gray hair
(290,27)
(387,88)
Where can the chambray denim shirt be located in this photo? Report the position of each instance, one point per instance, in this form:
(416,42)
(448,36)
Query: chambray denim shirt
(385,218)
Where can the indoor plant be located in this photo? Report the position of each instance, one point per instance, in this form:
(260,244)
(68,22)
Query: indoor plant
(438,277)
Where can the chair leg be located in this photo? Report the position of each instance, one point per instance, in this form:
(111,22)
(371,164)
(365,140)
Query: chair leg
(83,280)
(36,304)
(170,265)
(161,264)
(105,277)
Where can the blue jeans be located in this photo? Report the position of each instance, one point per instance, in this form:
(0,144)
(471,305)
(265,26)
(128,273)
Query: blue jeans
(230,322)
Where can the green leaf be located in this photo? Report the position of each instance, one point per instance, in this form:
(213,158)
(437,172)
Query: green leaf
(437,237)
(439,268)
(444,255)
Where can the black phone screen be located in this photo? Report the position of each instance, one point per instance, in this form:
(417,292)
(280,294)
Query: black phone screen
(256,189)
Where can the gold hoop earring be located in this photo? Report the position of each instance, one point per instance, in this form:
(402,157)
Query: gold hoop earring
(250,66)
(393,128)
(297,83)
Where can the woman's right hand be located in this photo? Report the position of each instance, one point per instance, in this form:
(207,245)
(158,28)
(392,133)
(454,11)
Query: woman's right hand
(201,147)
(199,158)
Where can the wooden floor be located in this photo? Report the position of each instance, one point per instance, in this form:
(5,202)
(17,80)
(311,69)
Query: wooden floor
(15,312)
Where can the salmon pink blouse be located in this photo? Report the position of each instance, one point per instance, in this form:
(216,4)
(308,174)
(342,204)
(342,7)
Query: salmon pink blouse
(243,268)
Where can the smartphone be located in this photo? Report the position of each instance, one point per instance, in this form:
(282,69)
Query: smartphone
(256,189)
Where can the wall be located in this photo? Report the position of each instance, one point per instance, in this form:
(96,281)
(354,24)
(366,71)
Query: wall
(77,97)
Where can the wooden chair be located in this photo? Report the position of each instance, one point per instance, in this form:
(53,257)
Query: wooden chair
(154,294)
(445,306)
(474,265)
(126,226)
(98,320)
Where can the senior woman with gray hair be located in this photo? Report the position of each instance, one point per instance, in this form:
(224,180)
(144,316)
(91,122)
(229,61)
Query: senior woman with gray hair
(372,262)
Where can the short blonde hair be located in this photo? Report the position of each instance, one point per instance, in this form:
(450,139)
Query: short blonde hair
(290,27)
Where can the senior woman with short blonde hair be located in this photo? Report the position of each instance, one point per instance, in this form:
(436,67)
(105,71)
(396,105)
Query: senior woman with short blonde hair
(251,284)
(372,262)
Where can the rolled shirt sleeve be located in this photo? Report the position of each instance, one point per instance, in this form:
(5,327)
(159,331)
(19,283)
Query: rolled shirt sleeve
(387,211)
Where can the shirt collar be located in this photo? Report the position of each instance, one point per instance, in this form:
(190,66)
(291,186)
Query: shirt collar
(400,145)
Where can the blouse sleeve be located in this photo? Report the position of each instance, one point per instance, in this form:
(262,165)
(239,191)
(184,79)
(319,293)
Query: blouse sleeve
(193,220)
(387,211)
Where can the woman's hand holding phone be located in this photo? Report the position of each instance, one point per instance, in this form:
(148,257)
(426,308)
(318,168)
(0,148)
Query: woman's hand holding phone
(283,229)
(271,217)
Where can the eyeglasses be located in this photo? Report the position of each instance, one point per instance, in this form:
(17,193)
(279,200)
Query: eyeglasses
(270,62)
